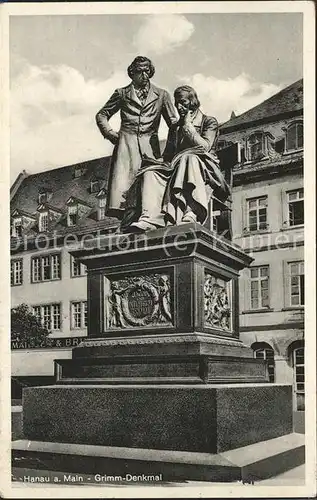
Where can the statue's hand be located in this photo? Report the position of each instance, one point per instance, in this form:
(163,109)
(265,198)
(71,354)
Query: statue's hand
(113,137)
(187,118)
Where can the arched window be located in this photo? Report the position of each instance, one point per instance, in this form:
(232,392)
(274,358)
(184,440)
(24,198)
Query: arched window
(299,378)
(265,351)
(294,136)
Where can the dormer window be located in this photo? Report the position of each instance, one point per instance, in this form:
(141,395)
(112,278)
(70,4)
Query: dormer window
(17,227)
(43,222)
(48,216)
(79,171)
(294,136)
(21,221)
(72,215)
(42,198)
(94,186)
(76,210)
(101,213)
(256,146)
(102,200)
(102,208)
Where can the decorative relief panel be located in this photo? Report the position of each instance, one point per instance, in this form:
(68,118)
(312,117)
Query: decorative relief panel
(139,301)
(217,303)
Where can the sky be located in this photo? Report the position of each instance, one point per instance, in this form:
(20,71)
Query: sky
(64,68)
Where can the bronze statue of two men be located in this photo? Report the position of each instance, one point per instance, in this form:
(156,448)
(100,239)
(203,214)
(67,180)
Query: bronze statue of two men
(148,190)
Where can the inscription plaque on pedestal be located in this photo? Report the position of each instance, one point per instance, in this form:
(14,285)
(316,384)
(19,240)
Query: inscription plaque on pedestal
(138,301)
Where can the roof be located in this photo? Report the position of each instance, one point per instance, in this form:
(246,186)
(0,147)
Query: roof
(63,184)
(287,100)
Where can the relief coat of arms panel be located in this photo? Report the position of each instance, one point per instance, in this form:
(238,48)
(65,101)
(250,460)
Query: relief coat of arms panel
(138,301)
(217,303)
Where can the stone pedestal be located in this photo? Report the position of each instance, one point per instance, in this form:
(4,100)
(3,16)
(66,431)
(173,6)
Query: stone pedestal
(162,308)
(162,367)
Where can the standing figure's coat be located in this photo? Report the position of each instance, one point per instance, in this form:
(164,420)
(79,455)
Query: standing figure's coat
(138,136)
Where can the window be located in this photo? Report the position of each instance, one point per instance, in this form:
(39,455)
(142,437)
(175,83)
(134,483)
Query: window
(77,268)
(55,264)
(49,315)
(101,213)
(257,213)
(16,272)
(17,228)
(79,171)
(79,314)
(214,223)
(297,283)
(221,144)
(214,214)
(72,216)
(259,287)
(294,137)
(56,316)
(37,312)
(295,201)
(102,208)
(256,146)
(43,222)
(42,198)
(267,354)
(94,186)
(46,267)
(299,378)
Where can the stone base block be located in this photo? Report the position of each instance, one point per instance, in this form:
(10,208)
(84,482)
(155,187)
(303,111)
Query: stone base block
(197,418)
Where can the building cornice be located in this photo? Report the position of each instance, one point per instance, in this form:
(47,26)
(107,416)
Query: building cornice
(292,325)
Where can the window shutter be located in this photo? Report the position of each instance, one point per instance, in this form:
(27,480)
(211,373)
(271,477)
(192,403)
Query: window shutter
(286,288)
(244,215)
(245,286)
(284,221)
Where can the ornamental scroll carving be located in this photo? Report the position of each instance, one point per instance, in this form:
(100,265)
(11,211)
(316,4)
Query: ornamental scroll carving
(139,301)
(217,303)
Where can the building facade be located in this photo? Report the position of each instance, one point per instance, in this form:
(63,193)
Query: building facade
(53,210)
(50,212)
(268,223)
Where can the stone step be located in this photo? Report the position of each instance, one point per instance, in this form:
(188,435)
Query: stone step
(250,463)
(268,458)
